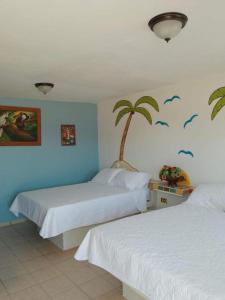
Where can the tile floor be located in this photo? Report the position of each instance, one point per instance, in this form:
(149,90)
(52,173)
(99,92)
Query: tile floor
(34,269)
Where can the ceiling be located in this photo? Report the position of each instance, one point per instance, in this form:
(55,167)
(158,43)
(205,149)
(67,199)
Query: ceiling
(95,50)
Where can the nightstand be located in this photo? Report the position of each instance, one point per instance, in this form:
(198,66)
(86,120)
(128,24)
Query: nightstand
(163,195)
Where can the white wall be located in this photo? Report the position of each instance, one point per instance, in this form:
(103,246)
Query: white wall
(150,147)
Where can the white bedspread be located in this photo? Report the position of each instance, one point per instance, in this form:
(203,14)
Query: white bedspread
(56,210)
(175,253)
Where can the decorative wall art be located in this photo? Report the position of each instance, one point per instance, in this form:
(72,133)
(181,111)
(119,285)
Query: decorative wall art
(68,135)
(189,121)
(20,126)
(219,95)
(129,109)
(172,99)
(186,152)
(162,123)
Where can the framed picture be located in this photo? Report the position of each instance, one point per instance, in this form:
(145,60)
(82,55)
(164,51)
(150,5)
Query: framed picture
(20,126)
(68,135)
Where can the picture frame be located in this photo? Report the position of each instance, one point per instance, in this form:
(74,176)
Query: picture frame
(20,126)
(68,135)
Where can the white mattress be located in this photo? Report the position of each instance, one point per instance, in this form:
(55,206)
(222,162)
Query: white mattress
(56,210)
(175,253)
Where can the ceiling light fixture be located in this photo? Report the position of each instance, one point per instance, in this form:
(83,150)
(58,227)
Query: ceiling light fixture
(44,87)
(168,25)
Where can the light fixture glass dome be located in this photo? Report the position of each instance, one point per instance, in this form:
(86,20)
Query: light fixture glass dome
(166,26)
(167,29)
(44,87)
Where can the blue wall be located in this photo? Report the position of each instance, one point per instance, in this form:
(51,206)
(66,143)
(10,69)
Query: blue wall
(28,168)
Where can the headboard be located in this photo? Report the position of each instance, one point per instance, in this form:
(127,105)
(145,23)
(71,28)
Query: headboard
(123,165)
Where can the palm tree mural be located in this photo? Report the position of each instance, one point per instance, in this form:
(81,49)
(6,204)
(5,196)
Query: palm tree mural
(219,95)
(129,109)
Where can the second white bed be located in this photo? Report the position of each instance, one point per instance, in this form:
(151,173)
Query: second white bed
(60,209)
(174,253)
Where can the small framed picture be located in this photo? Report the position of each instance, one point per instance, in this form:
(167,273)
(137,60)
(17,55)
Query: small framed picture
(68,135)
(20,126)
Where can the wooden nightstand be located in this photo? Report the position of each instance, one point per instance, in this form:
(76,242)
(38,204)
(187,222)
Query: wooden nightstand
(164,196)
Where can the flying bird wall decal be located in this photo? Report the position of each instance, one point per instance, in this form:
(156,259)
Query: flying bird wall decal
(170,100)
(189,121)
(163,123)
(186,152)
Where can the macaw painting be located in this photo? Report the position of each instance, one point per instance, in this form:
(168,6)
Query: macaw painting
(20,126)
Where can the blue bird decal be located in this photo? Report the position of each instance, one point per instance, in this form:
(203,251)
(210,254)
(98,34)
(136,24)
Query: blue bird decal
(169,100)
(162,123)
(190,120)
(186,152)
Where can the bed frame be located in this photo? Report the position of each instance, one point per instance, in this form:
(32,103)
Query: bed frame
(74,237)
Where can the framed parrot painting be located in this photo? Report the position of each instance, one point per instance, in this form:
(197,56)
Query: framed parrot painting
(68,135)
(20,126)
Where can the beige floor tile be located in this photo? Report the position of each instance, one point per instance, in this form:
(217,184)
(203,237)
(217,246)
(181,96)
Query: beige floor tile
(25,252)
(112,280)
(36,264)
(81,275)
(8,231)
(18,283)
(98,270)
(57,285)
(46,248)
(69,265)
(3,246)
(96,287)
(3,290)
(7,259)
(11,271)
(5,297)
(45,274)
(112,295)
(13,242)
(73,294)
(58,257)
(33,293)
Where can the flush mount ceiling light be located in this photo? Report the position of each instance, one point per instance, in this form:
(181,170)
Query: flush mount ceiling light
(44,87)
(168,25)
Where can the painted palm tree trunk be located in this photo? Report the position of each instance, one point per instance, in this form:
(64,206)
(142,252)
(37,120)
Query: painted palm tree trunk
(129,108)
(124,136)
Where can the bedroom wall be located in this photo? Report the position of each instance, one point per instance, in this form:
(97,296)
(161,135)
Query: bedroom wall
(150,147)
(28,168)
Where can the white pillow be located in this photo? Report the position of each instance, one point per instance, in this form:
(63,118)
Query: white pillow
(106,175)
(131,180)
(209,195)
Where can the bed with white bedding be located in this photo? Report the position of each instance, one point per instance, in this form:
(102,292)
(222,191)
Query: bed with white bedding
(60,209)
(173,253)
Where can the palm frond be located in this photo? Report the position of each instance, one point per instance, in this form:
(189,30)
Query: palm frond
(122,103)
(217,94)
(145,113)
(147,100)
(219,105)
(122,113)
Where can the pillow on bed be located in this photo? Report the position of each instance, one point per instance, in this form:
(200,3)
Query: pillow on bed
(106,175)
(131,180)
(209,195)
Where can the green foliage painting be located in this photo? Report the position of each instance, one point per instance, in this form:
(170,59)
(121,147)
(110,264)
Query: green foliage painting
(127,108)
(219,95)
